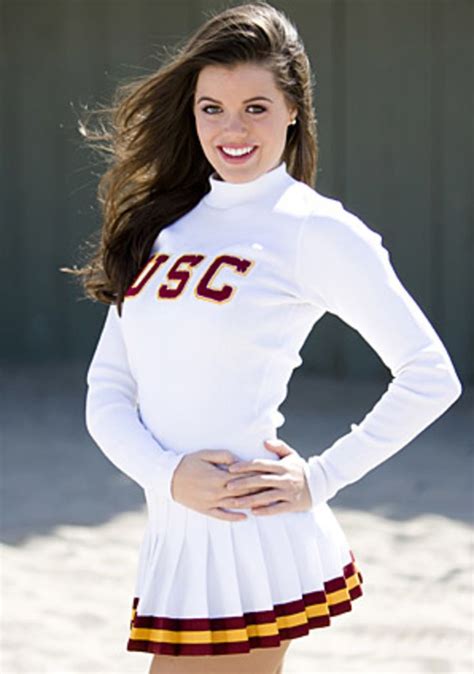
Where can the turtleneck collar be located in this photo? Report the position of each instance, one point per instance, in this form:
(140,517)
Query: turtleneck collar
(225,194)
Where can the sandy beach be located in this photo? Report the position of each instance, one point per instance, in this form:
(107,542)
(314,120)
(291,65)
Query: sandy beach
(72,524)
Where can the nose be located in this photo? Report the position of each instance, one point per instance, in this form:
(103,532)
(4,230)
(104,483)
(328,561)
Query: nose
(235,124)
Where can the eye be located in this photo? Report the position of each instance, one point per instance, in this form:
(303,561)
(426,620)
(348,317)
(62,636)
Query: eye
(262,109)
(206,107)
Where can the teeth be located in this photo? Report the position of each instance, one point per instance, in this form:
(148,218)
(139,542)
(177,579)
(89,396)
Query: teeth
(237,152)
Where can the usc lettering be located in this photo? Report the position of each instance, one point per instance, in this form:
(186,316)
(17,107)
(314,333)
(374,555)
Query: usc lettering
(182,276)
(180,273)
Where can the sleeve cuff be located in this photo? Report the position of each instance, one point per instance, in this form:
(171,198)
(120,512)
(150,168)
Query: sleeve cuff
(163,477)
(319,484)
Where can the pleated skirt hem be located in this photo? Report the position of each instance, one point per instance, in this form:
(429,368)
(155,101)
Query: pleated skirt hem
(251,630)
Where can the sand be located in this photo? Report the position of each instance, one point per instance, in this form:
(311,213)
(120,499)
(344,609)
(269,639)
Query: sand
(72,524)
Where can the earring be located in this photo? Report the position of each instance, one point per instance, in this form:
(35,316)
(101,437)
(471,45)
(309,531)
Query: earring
(293,122)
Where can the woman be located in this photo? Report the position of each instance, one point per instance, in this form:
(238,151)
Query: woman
(217,258)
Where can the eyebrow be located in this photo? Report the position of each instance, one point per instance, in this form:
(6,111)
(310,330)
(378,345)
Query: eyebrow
(247,100)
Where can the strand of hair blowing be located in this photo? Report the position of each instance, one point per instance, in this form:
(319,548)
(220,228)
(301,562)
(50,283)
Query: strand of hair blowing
(156,170)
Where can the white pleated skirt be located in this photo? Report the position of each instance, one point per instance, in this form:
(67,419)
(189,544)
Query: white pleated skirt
(207,586)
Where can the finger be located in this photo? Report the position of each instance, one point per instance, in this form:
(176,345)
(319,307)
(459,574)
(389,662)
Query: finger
(221,466)
(247,474)
(278,447)
(222,456)
(263,465)
(242,485)
(224,515)
(255,500)
(272,509)
(241,500)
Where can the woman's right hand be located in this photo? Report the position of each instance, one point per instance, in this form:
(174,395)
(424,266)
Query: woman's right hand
(199,483)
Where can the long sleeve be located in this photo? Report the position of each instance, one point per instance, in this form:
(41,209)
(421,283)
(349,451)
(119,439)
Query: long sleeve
(112,414)
(343,268)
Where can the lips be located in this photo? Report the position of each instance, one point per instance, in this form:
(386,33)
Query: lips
(236,158)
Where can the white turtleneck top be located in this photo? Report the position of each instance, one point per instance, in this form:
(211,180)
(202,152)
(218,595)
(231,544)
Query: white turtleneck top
(213,324)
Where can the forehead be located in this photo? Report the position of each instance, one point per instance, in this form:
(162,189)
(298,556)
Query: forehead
(229,78)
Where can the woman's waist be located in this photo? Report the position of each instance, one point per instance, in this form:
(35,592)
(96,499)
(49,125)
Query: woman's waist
(244,440)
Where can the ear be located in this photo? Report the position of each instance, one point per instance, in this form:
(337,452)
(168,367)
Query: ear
(293,111)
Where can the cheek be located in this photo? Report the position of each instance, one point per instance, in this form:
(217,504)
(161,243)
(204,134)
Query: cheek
(268,127)
(278,126)
(205,129)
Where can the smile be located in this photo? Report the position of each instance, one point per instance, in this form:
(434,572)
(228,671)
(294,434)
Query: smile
(237,154)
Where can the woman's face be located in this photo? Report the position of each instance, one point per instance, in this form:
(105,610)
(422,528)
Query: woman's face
(241,107)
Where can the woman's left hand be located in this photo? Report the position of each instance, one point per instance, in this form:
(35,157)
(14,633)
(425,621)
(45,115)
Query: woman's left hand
(284,481)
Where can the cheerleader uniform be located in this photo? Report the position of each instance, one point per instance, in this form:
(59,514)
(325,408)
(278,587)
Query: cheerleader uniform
(211,331)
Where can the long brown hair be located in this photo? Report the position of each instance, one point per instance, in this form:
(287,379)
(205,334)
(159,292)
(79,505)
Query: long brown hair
(157,170)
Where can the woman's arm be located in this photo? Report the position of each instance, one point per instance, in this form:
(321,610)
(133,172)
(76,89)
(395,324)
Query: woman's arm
(343,267)
(112,416)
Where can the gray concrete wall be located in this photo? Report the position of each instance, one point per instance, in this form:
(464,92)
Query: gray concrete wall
(394,103)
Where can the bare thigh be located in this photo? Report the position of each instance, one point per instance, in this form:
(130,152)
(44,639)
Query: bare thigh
(261,660)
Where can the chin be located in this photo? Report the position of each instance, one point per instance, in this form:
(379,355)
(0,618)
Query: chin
(242,168)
